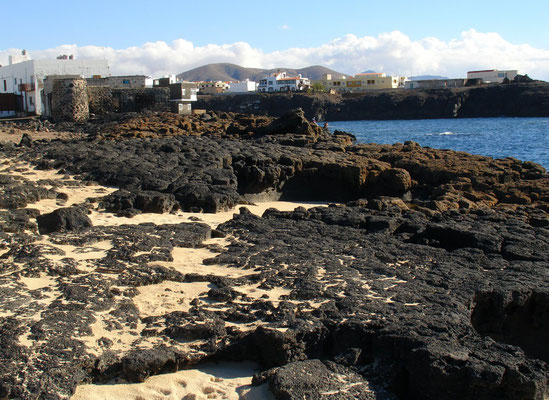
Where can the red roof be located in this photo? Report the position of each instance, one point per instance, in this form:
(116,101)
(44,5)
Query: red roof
(289,79)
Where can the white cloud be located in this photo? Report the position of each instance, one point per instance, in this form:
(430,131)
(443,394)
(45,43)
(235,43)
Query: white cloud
(284,27)
(393,52)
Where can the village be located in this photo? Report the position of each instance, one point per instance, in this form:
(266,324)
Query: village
(67,88)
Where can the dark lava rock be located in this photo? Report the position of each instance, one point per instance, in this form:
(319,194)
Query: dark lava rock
(294,122)
(431,282)
(139,365)
(145,201)
(26,140)
(63,219)
(406,307)
(213,173)
(522,98)
(313,379)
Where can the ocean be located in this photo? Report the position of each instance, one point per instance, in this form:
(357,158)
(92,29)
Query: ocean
(524,138)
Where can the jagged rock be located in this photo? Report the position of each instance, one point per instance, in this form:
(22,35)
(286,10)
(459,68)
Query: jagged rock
(294,122)
(393,182)
(26,140)
(139,365)
(63,219)
(313,379)
(431,281)
(145,201)
(522,99)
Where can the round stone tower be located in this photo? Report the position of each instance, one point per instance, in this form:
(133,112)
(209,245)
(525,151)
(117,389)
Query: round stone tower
(69,101)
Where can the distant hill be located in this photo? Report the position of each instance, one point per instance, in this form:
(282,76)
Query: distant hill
(232,72)
(427,77)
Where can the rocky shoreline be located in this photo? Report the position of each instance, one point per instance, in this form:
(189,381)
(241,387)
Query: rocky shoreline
(425,277)
(510,100)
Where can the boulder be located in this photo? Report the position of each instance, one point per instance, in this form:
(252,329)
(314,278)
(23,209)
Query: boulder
(26,140)
(313,379)
(146,201)
(63,219)
(293,122)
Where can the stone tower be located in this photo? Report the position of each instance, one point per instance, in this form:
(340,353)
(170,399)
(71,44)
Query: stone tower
(69,100)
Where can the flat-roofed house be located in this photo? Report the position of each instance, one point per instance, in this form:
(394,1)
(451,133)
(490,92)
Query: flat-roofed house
(24,77)
(493,75)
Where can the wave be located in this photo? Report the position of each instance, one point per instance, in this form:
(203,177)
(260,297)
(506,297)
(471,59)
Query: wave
(446,133)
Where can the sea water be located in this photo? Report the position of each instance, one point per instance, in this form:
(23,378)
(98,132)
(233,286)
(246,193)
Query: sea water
(524,138)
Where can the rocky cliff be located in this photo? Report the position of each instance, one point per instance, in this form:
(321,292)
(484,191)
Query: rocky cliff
(511,100)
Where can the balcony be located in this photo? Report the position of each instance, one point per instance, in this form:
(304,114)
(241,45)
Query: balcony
(26,87)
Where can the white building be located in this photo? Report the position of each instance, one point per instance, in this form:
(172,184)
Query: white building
(24,77)
(492,75)
(281,82)
(242,87)
(123,81)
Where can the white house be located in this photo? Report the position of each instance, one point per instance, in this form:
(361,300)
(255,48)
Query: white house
(242,87)
(281,82)
(493,75)
(122,81)
(24,77)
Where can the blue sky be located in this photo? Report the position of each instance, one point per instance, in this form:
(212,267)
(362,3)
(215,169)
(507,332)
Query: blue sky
(272,29)
(121,23)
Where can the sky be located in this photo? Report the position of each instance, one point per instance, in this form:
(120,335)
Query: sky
(398,37)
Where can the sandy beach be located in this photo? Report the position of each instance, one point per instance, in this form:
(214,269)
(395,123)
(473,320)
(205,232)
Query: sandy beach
(211,381)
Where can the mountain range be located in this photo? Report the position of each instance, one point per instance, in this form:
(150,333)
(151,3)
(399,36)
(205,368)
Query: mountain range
(232,72)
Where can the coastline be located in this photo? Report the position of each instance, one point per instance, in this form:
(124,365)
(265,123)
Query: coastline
(512,100)
(415,259)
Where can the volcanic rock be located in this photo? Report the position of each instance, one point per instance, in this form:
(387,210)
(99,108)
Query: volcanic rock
(428,279)
(63,219)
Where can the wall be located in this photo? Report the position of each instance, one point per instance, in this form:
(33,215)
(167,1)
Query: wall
(242,87)
(138,100)
(100,100)
(84,67)
(435,83)
(121,82)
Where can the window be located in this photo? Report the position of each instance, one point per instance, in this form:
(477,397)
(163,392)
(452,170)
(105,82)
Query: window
(5,86)
(125,81)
